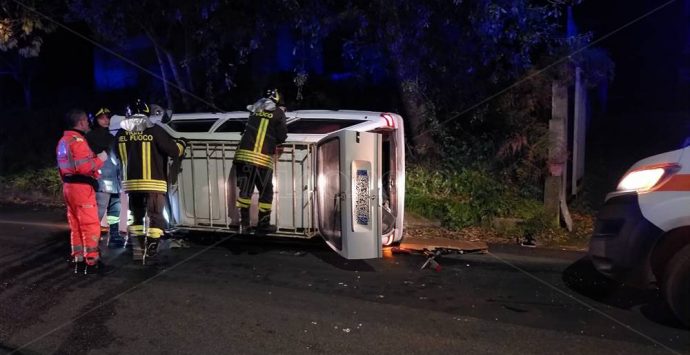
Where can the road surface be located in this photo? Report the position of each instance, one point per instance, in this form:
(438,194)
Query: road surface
(243,296)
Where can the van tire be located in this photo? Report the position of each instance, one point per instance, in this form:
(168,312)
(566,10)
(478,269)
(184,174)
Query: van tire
(676,285)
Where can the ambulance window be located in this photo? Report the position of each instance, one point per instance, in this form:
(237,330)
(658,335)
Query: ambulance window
(201,125)
(232,126)
(328,191)
(320,126)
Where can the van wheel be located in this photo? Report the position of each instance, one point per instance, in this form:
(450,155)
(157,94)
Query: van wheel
(677,285)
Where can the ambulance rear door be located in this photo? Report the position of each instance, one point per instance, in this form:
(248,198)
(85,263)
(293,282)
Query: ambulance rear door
(348,193)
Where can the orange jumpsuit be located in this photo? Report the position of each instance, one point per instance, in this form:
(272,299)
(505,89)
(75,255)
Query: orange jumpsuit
(78,167)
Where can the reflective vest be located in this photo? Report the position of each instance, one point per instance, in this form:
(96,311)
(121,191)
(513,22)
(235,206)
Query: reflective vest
(76,161)
(144,158)
(263,132)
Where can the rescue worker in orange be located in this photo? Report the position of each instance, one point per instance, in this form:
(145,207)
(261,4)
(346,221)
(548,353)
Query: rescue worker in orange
(78,167)
(143,149)
(266,128)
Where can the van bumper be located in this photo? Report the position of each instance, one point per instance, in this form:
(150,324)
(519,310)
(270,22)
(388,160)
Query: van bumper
(622,242)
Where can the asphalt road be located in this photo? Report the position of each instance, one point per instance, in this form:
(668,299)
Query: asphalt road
(239,296)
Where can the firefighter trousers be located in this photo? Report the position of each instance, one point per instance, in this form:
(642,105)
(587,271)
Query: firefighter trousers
(149,204)
(82,215)
(250,176)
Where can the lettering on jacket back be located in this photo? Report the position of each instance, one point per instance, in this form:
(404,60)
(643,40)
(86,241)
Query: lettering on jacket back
(136,136)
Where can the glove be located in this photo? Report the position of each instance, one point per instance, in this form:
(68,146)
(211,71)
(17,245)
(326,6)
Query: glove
(103,156)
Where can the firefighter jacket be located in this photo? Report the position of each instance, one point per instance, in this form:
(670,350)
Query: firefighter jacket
(143,151)
(76,161)
(265,130)
(100,139)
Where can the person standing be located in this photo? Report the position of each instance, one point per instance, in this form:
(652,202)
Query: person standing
(266,128)
(143,148)
(108,193)
(78,167)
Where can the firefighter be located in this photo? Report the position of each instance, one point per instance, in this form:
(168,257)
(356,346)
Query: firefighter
(143,149)
(108,193)
(253,162)
(78,167)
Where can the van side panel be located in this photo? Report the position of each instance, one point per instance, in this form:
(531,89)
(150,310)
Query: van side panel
(400,178)
(666,209)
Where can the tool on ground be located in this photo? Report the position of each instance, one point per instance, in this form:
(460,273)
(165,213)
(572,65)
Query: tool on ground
(431,260)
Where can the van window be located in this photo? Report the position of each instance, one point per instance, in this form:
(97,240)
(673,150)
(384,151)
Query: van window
(232,126)
(200,125)
(328,191)
(320,126)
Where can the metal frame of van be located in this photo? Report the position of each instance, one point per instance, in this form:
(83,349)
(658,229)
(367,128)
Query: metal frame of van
(356,205)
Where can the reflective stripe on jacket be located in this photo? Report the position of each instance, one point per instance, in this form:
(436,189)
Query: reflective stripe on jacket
(263,132)
(144,158)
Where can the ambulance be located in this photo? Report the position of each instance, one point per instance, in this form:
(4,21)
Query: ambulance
(340,176)
(642,233)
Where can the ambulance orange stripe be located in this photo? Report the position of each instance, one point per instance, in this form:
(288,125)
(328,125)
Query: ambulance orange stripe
(678,182)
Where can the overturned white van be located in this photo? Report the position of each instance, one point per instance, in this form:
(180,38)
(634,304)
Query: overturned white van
(341,176)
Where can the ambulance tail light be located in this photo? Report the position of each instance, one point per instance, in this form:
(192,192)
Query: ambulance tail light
(647,178)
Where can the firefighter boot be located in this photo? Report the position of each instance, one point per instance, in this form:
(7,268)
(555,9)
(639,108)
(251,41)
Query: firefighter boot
(151,250)
(244,221)
(264,226)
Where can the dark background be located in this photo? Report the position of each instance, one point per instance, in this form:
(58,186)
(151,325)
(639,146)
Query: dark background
(644,110)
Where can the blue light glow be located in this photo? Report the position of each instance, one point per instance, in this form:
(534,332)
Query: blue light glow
(111,73)
(341,76)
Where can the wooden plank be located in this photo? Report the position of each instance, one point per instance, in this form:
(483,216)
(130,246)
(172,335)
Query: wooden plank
(418,244)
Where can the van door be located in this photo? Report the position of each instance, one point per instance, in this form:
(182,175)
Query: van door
(348,193)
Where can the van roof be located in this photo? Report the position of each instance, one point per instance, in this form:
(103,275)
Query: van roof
(329,114)
(209,122)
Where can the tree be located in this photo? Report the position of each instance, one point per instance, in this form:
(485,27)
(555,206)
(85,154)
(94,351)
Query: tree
(198,45)
(22,30)
(444,56)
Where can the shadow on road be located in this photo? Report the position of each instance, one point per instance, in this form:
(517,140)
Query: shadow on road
(256,245)
(584,279)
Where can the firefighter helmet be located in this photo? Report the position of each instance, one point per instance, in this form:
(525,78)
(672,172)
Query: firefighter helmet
(274,95)
(103,111)
(138,108)
(94,116)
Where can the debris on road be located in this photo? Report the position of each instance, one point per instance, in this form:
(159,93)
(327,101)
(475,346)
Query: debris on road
(433,248)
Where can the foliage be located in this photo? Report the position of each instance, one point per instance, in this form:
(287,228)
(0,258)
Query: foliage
(22,29)
(41,186)
(46,180)
(472,198)
(199,45)
(443,65)
(464,198)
